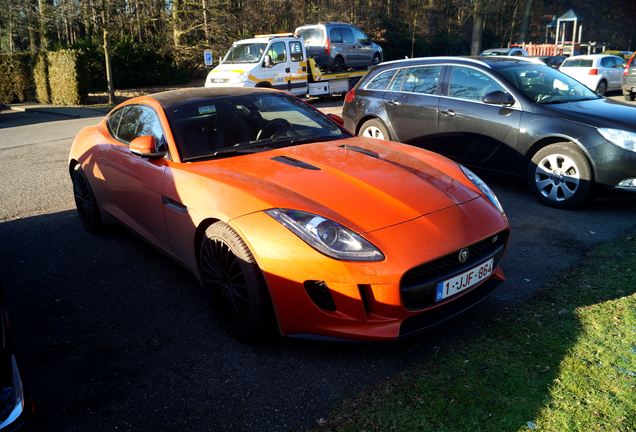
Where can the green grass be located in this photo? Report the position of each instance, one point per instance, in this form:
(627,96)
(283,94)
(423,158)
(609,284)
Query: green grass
(563,361)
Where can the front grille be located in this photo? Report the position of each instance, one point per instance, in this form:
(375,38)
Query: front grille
(417,286)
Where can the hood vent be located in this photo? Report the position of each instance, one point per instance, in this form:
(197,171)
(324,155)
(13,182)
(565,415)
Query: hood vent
(295,162)
(361,150)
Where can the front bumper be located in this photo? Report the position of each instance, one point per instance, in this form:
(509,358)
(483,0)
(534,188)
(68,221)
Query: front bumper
(367,296)
(613,164)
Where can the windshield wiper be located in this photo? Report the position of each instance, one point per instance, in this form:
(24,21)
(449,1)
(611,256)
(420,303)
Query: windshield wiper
(260,145)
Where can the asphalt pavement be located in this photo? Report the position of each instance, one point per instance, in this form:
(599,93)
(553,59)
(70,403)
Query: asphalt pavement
(112,335)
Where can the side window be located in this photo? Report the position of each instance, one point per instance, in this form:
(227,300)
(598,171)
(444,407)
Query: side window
(295,51)
(471,84)
(360,37)
(139,120)
(607,62)
(347,35)
(277,52)
(335,36)
(620,63)
(397,82)
(113,121)
(423,79)
(381,81)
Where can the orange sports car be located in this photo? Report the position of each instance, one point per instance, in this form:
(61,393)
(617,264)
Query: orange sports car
(288,219)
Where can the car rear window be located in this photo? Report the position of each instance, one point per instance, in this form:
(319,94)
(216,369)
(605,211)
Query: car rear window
(311,35)
(577,63)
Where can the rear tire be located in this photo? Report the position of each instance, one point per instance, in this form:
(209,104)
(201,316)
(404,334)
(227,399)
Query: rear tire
(338,64)
(560,176)
(374,128)
(601,88)
(229,271)
(87,207)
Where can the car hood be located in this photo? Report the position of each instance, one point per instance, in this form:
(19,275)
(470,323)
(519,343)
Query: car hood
(363,183)
(597,113)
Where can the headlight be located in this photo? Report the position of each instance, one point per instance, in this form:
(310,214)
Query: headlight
(483,187)
(238,78)
(621,138)
(327,236)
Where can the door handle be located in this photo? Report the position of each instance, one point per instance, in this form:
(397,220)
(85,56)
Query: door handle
(448,113)
(394,102)
(287,70)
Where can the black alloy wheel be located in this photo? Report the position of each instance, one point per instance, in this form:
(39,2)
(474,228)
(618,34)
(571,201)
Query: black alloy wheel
(601,89)
(85,202)
(228,270)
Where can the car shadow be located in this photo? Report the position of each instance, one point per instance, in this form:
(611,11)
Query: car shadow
(9,119)
(105,325)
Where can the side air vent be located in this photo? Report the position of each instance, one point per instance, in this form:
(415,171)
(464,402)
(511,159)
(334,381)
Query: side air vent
(295,162)
(320,294)
(361,150)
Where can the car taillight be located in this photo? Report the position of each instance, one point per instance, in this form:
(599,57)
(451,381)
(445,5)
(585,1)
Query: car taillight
(350,96)
(327,46)
(593,71)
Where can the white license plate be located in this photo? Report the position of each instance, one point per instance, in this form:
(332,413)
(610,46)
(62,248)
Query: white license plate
(463,281)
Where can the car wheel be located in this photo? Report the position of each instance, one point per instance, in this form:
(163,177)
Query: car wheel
(630,96)
(374,129)
(228,270)
(601,88)
(376,59)
(85,201)
(338,64)
(560,176)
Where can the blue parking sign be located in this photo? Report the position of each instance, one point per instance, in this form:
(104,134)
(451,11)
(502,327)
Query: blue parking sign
(207,57)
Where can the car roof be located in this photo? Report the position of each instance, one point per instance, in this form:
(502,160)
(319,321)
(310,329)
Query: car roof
(592,56)
(173,98)
(491,62)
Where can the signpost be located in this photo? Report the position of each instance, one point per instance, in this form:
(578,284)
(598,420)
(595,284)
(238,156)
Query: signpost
(207,58)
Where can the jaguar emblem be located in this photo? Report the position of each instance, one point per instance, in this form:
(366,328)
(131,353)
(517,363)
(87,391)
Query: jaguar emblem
(463,255)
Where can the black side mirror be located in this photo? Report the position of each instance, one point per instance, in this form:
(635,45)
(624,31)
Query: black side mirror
(498,98)
(267,61)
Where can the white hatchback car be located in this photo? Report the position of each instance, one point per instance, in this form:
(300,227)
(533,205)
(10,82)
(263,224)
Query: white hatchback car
(599,72)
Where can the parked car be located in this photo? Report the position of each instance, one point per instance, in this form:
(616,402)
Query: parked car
(552,61)
(267,201)
(629,79)
(599,72)
(338,46)
(514,51)
(507,115)
(15,407)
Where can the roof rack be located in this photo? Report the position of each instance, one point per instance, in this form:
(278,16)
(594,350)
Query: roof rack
(274,35)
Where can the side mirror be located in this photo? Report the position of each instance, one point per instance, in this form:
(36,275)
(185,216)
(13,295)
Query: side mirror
(267,61)
(498,98)
(145,147)
(336,119)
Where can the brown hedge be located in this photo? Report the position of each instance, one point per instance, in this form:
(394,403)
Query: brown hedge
(16,81)
(66,77)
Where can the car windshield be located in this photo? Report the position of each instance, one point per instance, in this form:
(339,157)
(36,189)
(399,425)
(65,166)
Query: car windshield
(245,53)
(231,125)
(545,85)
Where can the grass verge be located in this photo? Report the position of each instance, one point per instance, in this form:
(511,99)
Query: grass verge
(563,361)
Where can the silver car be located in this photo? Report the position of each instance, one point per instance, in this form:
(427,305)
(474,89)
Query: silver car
(339,46)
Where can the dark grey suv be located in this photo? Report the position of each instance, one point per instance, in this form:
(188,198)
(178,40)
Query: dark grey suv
(338,46)
(510,115)
(629,79)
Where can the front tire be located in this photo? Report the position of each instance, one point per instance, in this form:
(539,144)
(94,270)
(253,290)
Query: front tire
(85,201)
(560,176)
(376,59)
(630,96)
(374,128)
(229,271)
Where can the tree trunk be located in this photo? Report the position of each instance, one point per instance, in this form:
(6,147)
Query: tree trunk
(525,21)
(176,32)
(478,28)
(44,38)
(204,6)
(109,70)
